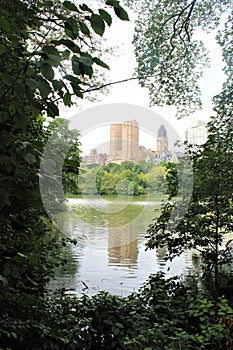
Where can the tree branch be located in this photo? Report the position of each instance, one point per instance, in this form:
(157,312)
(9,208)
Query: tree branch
(116,82)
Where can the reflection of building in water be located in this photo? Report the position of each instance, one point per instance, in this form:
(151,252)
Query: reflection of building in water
(122,247)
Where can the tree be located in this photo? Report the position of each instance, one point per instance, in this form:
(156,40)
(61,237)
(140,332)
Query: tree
(170,62)
(62,138)
(209,216)
(47,56)
(170,59)
(156,179)
(108,183)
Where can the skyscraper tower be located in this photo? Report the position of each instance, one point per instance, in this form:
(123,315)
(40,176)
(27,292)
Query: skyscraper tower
(162,140)
(130,139)
(115,140)
(124,141)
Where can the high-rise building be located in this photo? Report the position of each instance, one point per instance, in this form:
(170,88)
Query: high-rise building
(196,133)
(124,141)
(115,140)
(162,141)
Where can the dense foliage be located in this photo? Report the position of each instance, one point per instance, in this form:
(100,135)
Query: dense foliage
(208,221)
(127,178)
(48,53)
(163,314)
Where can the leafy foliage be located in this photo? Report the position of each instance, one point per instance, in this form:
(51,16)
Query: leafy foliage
(209,216)
(163,314)
(126,178)
(60,163)
(47,55)
(169,57)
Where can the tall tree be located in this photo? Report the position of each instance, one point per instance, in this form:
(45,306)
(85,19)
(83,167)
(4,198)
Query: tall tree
(48,55)
(208,219)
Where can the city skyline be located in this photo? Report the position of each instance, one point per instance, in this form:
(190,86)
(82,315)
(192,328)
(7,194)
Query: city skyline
(124,145)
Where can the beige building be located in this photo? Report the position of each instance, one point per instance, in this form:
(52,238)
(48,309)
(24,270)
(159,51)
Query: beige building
(95,158)
(124,142)
(196,133)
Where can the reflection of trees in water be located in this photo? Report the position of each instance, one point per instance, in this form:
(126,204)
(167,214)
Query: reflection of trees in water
(65,274)
(109,215)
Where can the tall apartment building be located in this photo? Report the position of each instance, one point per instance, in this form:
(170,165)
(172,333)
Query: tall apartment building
(124,141)
(196,133)
(115,140)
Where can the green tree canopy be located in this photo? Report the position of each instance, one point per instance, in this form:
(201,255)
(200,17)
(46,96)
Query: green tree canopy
(170,57)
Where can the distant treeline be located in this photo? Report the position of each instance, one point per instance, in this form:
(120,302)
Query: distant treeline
(127,178)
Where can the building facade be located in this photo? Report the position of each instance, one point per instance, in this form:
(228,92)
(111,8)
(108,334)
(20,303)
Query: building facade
(124,142)
(124,146)
(196,133)
(162,141)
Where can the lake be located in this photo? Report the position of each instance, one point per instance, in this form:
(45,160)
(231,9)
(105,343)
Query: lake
(110,254)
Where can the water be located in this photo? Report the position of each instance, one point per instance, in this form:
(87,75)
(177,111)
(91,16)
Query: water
(110,254)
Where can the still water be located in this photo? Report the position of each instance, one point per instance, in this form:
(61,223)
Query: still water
(110,254)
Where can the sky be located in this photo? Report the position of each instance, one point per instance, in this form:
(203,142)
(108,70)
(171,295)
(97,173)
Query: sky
(122,66)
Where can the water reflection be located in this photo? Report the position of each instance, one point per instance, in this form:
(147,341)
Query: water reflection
(110,253)
(123,248)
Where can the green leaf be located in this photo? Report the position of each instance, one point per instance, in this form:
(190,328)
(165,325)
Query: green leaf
(3,49)
(84,7)
(67,99)
(73,79)
(84,29)
(32,83)
(44,87)
(70,6)
(77,90)
(113,3)
(53,60)
(70,44)
(106,16)
(6,78)
(66,54)
(97,24)
(47,71)
(52,110)
(100,63)
(51,50)
(29,157)
(3,279)
(121,13)
(88,70)
(86,61)
(76,66)
(37,106)
(57,84)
